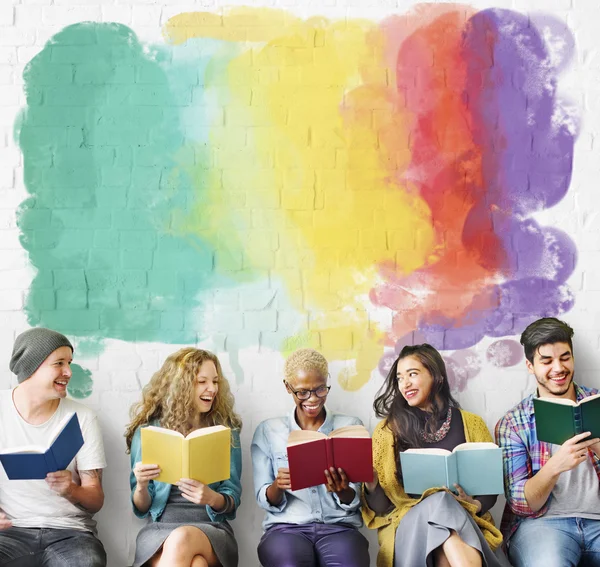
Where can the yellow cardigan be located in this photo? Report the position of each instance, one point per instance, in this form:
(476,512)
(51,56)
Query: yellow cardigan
(384,460)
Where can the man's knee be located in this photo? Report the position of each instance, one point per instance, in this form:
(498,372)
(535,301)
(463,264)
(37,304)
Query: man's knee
(83,550)
(16,543)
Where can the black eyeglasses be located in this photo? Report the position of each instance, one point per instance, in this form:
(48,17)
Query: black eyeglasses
(320,392)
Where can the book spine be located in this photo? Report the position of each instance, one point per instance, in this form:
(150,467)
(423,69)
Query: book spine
(51,463)
(185,459)
(329,450)
(577,420)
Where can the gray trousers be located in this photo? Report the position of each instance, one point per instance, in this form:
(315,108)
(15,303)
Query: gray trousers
(49,547)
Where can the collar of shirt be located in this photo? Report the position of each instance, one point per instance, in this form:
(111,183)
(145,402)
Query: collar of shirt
(326,426)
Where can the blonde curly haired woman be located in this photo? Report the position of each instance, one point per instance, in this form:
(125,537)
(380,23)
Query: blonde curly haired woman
(188,523)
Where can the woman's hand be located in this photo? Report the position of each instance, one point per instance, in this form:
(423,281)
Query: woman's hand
(145,473)
(201,494)
(462,495)
(371,486)
(282,480)
(337,482)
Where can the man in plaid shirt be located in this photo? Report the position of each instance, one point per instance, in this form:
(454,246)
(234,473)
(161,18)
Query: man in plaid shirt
(552,514)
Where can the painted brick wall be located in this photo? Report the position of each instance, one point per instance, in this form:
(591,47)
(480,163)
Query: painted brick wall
(352,175)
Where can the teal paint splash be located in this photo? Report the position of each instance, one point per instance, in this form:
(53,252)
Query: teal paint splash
(108,170)
(81,383)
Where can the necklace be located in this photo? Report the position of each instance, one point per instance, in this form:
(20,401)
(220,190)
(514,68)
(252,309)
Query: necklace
(440,433)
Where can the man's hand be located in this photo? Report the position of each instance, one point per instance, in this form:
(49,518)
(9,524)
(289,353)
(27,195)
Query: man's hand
(572,453)
(61,482)
(4,521)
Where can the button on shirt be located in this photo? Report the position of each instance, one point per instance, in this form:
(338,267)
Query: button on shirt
(269,453)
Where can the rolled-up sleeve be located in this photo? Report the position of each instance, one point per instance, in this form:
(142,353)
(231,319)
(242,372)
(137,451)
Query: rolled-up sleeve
(263,470)
(233,485)
(517,467)
(135,457)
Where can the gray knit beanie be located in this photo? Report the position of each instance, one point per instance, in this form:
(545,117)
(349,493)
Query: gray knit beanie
(32,347)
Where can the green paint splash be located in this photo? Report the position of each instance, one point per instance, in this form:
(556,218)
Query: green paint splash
(81,383)
(106,164)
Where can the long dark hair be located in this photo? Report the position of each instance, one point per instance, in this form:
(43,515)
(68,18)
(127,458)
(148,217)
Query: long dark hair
(402,419)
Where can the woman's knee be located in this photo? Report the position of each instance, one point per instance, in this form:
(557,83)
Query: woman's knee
(182,540)
(285,550)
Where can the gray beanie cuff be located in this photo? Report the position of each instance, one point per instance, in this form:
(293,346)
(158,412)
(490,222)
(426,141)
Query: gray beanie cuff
(32,347)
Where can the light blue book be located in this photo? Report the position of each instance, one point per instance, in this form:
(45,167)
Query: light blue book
(476,467)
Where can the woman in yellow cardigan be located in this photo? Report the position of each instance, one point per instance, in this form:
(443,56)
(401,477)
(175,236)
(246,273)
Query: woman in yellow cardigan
(436,529)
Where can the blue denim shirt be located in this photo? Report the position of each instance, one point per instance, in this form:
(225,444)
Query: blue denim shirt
(314,504)
(159,491)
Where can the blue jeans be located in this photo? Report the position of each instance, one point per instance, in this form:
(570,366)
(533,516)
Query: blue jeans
(49,547)
(556,542)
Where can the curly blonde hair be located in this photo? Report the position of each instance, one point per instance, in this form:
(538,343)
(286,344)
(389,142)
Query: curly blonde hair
(305,359)
(169,397)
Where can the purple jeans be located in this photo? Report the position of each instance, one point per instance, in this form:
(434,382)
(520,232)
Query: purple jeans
(313,545)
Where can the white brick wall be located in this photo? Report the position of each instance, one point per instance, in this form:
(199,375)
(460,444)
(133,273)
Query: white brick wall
(25,25)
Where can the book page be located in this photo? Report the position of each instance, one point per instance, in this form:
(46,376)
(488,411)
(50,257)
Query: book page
(24,449)
(475,446)
(206,431)
(561,401)
(350,431)
(589,399)
(442,452)
(163,430)
(298,436)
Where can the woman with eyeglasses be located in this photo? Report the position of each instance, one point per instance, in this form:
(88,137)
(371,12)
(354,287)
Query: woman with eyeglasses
(438,528)
(315,526)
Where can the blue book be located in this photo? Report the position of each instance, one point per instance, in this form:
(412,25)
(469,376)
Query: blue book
(476,467)
(34,463)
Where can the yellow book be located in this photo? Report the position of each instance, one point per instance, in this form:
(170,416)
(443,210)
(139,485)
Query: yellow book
(204,454)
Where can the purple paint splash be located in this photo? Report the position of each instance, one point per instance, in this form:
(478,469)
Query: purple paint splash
(505,353)
(526,138)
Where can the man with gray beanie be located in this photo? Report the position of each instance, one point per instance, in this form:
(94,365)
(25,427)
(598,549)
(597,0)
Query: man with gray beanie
(48,522)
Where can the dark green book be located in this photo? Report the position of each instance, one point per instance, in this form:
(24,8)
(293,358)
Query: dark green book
(559,419)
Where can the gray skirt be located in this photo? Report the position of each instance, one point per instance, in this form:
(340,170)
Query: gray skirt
(180,512)
(427,526)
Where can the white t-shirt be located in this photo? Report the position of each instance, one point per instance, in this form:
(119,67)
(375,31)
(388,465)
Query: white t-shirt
(32,503)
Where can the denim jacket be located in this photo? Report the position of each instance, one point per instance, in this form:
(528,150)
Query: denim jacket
(159,491)
(314,504)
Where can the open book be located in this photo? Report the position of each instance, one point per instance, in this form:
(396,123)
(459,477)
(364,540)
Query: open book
(203,455)
(33,462)
(559,419)
(476,467)
(311,452)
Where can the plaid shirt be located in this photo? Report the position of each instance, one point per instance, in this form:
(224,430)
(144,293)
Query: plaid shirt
(523,456)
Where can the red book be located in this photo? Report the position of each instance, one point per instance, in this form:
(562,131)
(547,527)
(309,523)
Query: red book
(311,452)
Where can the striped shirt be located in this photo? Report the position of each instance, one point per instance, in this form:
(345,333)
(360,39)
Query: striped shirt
(523,456)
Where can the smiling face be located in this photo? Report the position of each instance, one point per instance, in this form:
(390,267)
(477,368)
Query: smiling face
(414,382)
(553,367)
(207,386)
(307,380)
(50,380)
